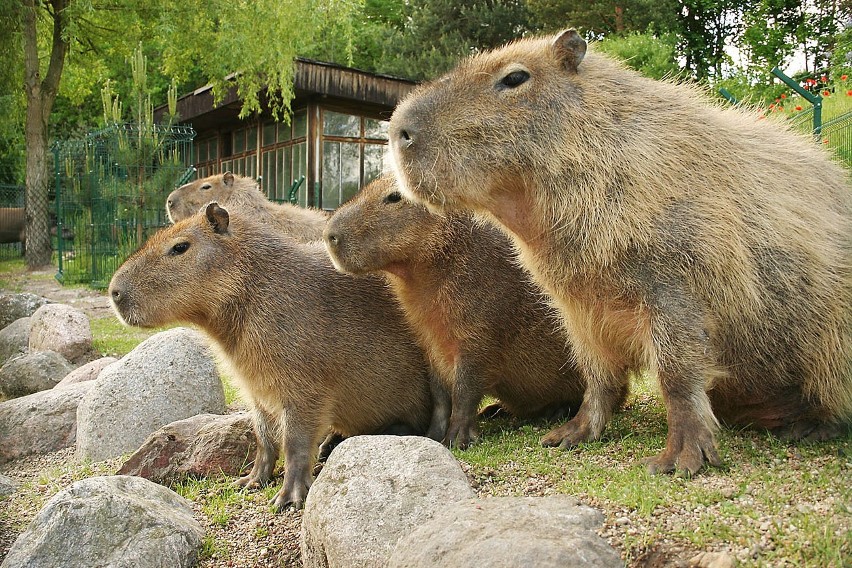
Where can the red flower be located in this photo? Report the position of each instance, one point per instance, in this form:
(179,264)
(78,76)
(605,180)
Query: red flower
(826,93)
(798,107)
(849,93)
(823,78)
(843,77)
(783,95)
(825,141)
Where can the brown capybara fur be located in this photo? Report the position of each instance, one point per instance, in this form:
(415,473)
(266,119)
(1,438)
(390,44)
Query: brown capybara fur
(232,191)
(698,242)
(483,326)
(311,349)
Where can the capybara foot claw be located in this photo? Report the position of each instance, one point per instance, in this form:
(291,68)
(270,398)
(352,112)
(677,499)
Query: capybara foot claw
(460,437)
(293,499)
(566,436)
(688,460)
(249,482)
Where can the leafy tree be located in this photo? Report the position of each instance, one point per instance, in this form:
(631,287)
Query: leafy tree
(601,18)
(247,45)
(769,37)
(652,56)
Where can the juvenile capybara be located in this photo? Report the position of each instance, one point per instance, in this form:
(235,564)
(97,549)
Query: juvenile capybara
(311,349)
(673,235)
(13,227)
(303,224)
(483,326)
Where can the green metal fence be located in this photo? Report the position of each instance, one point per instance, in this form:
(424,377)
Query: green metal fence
(111,189)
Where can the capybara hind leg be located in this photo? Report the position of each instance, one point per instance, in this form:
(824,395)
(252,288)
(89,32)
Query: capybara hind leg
(441,408)
(266,431)
(328,444)
(466,395)
(810,431)
(301,435)
(601,399)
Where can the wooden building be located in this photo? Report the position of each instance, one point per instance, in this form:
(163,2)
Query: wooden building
(336,138)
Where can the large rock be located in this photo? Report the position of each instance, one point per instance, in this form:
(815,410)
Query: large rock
(202,446)
(168,377)
(372,491)
(87,372)
(40,423)
(16,306)
(31,373)
(508,532)
(7,485)
(61,328)
(115,521)
(14,339)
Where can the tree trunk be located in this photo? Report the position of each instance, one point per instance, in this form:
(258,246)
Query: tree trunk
(40,97)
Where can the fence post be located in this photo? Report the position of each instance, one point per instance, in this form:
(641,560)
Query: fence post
(815,100)
(58,197)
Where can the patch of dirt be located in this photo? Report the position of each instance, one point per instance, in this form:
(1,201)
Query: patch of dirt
(93,303)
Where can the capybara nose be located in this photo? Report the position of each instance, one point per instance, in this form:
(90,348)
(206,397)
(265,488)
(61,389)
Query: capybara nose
(333,240)
(117,295)
(403,135)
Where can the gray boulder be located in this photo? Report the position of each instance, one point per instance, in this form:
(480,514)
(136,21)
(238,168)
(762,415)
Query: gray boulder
(87,372)
(110,522)
(14,339)
(372,491)
(40,423)
(201,446)
(7,485)
(508,532)
(31,373)
(61,328)
(16,306)
(168,377)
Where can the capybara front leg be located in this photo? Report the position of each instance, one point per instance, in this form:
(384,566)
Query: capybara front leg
(685,365)
(301,435)
(604,394)
(266,431)
(466,394)
(441,408)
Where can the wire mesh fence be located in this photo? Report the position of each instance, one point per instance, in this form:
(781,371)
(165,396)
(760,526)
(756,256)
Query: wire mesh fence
(111,189)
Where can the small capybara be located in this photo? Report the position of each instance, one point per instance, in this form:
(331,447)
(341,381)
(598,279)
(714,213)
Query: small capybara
(232,191)
(13,227)
(698,242)
(311,349)
(483,326)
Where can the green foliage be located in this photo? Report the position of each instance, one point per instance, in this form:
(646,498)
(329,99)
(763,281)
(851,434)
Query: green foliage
(652,56)
(601,18)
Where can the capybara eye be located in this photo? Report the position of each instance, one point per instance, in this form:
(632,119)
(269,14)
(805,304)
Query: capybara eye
(179,248)
(514,79)
(206,186)
(393,197)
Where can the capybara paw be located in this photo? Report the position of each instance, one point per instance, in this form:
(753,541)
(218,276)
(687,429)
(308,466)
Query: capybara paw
(251,481)
(570,434)
(460,437)
(290,499)
(808,431)
(687,458)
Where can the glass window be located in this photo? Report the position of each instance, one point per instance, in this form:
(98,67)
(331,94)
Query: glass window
(267,167)
(341,172)
(374,158)
(269,133)
(300,124)
(251,138)
(239,141)
(338,124)
(213,152)
(376,129)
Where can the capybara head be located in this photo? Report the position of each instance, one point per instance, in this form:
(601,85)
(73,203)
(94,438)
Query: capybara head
(377,229)
(186,200)
(449,137)
(165,280)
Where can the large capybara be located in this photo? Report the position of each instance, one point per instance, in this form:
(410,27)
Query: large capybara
(13,227)
(672,234)
(483,326)
(232,191)
(311,349)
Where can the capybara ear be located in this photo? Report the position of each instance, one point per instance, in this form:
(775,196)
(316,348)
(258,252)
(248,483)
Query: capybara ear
(217,217)
(570,49)
(228,178)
